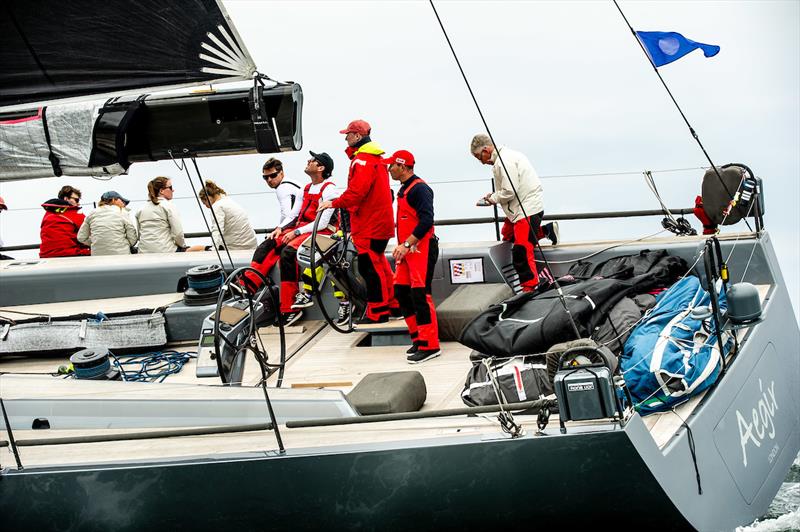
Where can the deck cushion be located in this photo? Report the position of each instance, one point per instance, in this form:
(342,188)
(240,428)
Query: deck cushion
(466,302)
(388,393)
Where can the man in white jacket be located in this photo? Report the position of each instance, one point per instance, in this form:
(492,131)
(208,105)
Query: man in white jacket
(524,209)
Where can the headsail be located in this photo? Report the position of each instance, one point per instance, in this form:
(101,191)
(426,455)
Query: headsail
(55,50)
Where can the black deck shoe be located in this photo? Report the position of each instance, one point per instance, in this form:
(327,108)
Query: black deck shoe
(422,355)
(382,319)
(302,300)
(343,314)
(551,232)
(290,318)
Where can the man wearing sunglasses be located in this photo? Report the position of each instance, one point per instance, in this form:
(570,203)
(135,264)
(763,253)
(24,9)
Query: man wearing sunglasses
(287,192)
(297,217)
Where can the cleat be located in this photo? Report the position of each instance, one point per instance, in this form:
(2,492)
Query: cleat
(422,355)
(302,300)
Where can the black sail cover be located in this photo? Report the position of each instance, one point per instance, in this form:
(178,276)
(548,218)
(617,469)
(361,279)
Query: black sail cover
(51,50)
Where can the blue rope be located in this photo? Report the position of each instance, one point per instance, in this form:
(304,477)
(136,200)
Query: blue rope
(151,367)
(90,373)
(209,283)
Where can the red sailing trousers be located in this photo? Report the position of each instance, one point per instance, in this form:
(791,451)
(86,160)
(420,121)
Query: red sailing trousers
(412,288)
(374,268)
(524,236)
(274,251)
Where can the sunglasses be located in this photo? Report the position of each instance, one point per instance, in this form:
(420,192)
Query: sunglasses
(169,187)
(73,198)
(270,176)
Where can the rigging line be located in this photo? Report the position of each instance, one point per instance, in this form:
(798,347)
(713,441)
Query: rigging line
(508,176)
(11,439)
(690,439)
(651,183)
(191,184)
(624,173)
(590,255)
(691,129)
(213,215)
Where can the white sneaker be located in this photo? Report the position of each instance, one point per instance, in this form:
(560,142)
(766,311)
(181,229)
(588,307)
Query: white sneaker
(343,314)
(302,300)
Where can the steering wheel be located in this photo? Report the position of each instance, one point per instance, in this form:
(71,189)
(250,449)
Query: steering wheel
(337,261)
(237,329)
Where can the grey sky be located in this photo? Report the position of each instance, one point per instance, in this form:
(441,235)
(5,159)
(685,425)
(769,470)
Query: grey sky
(563,82)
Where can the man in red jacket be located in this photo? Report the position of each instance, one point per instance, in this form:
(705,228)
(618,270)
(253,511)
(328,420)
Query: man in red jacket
(59,231)
(369,201)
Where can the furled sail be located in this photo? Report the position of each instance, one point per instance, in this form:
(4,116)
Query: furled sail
(55,50)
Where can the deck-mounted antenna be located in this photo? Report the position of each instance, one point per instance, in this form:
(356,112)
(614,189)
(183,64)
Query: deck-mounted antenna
(513,187)
(691,129)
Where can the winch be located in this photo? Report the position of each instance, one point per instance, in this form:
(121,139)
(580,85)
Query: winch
(204,283)
(93,364)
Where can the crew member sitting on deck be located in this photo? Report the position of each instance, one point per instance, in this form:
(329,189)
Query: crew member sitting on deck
(284,241)
(60,225)
(415,256)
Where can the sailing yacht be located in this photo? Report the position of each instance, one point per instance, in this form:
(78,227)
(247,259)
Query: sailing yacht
(294,431)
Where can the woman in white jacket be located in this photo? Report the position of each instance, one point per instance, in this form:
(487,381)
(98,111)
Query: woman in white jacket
(159,224)
(229,220)
(109,230)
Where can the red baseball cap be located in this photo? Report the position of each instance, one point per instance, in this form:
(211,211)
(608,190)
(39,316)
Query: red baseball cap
(400,156)
(361,127)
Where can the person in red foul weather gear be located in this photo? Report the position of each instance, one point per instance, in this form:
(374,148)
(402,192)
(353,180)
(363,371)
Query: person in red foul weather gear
(288,239)
(415,256)
(60,225)
(368,199)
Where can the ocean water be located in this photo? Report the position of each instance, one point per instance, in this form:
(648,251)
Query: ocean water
(784,512)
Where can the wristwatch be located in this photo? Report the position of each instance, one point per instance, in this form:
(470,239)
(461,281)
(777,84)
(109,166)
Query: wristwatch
(406,245)
(297,232)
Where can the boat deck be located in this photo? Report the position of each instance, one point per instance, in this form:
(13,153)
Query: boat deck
(317,358)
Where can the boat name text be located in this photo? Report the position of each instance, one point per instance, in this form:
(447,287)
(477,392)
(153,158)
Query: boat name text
(762,420)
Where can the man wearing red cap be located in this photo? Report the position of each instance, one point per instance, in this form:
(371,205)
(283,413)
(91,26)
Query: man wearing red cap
(415,256)
(369,201)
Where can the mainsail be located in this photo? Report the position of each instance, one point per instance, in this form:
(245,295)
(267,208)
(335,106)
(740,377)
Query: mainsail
(75,79)
(55,50)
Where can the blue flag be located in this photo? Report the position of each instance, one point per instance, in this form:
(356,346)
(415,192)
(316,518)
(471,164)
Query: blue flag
(664,47)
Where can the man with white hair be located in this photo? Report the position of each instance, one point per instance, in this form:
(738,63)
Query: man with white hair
(524,209)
